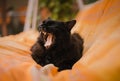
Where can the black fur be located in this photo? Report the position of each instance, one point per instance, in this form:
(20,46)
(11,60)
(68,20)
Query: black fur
(65,50)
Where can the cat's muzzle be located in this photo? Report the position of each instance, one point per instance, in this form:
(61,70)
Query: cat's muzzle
(48,39)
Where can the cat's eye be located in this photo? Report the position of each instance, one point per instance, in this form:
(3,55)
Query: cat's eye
(50,23)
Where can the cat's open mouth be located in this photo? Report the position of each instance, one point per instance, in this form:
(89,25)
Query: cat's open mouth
(48,38)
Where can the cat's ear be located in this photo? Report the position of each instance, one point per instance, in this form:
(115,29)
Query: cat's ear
(70,24)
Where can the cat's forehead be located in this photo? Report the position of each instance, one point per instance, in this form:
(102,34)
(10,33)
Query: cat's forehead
(49,21)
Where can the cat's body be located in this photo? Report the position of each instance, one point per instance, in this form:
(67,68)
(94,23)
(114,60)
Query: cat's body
(56,45)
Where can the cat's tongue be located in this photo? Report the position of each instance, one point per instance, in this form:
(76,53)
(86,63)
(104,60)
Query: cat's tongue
(49,41)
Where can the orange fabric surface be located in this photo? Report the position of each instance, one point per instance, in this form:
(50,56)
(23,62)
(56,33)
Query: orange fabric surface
(98,24)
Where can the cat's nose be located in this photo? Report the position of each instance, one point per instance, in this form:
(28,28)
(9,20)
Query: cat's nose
(40,28)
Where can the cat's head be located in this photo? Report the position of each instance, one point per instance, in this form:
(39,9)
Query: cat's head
(55,31)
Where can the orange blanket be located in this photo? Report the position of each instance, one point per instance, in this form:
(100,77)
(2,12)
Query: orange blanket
(98,24)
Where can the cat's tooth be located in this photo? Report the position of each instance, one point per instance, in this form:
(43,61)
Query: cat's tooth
(43,32)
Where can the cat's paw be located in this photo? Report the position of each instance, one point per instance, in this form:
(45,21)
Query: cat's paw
(49,69)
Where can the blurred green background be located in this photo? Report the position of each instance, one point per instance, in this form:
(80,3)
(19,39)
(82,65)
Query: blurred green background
(13,13)
(62,9)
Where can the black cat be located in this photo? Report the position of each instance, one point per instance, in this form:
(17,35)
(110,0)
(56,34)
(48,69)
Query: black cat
(56,45)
